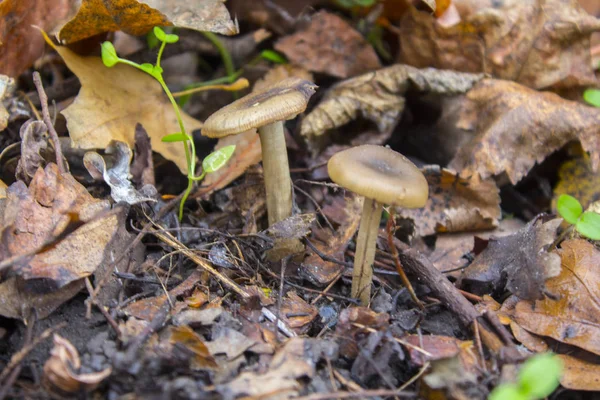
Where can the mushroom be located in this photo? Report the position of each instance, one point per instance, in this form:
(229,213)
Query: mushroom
(382,176)
(267,109)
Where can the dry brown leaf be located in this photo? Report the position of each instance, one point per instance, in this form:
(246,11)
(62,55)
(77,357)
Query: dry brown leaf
(190,340)
(20,43)
(113,100)
(540,44)
(229,342)
(351,327)
(520,259)
(379,97)
(515,127)
(295,360)
(573,317)
(455,204)
(345,213)
(138,17)
(297,313)
(7,88)
(329,45)
(34,143)
(61,374)
(580,374)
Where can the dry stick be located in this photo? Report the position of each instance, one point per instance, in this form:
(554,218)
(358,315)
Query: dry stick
(108,317)
(399,269)
(362,394)
(171,241)
(444,290)
(48,121)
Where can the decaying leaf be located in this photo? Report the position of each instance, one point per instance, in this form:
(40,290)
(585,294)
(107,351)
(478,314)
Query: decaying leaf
(351,328)
(229,342)
(455,204)
(113,100)
(379,97)
(329,45)
(345,213)
(572,315)
(515,127)
(20,43)
(296,359)
(186,337)
(287,235)
(580,374)
(117,176)
(142,167)
(520,259)
(138,17)
(61,371)
(540,44)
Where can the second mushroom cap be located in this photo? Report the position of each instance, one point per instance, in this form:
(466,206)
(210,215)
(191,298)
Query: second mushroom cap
(380,174)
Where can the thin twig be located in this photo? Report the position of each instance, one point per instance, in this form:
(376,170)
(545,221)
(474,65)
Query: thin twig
(37,80)
(362,395)
(396,258)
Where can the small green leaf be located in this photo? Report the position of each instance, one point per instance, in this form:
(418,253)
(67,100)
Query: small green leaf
(592,96)
(156,70)
(147,68)
(540,375)
(160,34)
(589,225)
(152,40)
(171,38)
(507,392)
(109,54)
(569,208)
(176,137)
(273,56)
(217,159)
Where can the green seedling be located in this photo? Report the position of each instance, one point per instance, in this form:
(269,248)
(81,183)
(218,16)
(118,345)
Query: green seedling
(586,223)
(592,96)
(538,378)
(355,3)
(213,161)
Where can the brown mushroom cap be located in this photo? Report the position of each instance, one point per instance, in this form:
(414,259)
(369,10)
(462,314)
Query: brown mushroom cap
(279,102)
(380,174)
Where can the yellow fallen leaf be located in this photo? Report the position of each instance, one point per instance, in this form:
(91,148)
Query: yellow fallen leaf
(138,17)
(112,100)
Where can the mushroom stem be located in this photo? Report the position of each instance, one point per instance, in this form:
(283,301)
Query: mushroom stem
(362,274)
(278,183)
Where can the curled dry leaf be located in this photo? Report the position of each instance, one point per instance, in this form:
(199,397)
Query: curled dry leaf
(379,97)
(455,204)
(515,127)
(138,17)
(61,371)
(142,167)
(20,43)
(522,259)
(572,316)
(34,143)
(542,45)
(329,45)
(113,100)
(117,176)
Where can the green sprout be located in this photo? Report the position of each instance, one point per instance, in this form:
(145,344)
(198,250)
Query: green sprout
(592,96)
(586,223)
(538,378)
(213,161)
(355,3)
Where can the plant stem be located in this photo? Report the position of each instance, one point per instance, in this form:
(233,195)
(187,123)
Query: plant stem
(362,273)
(278,183)
(223,52)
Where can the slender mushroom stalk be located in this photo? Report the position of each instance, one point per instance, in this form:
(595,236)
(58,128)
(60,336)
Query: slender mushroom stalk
(267,109)
(382,176)
(278,184)
(362,273)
